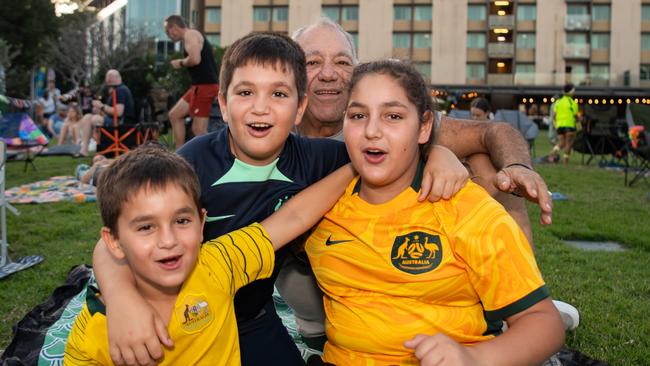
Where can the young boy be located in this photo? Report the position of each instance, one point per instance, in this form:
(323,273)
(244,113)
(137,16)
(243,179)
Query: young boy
(149,202)
(246,172)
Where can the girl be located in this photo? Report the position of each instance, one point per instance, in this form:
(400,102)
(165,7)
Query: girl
(410,282)
(70,131)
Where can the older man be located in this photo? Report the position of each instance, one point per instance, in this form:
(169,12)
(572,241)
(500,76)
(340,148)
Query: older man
(331,57)
(103,114)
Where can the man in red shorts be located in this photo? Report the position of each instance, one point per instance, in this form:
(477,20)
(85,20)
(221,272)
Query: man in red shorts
(199,61)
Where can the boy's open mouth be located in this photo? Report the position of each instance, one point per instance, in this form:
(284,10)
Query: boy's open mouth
(259,127)
(171,262)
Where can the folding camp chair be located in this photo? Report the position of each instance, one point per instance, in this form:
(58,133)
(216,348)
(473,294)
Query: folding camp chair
(601,134)
(113,139)
(22,136)
(638,146)
(7,266)
(120,138)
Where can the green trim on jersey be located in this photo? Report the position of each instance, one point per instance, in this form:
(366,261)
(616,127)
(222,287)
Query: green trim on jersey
(241,172)
(95,305)
(519,305)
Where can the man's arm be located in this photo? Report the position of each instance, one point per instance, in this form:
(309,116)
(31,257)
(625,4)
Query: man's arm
(193,42)
(304,210)
(508,152)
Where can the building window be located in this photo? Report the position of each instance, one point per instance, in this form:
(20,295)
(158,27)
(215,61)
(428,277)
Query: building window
(281,14)
(402,12)
(600,72)
(645,42)
(350,13)
(332,12)
(401,40)
(341,13)
(645,72)
(600,13)
(213,15)
(526,12)
(475,71)
(476,13)
(476,40)
(525,69)
(214,39)
(645,12)
(600,41)
(425,69)
(408,13)
(577,9)
(422,40)
(576,38)
(422,13)
(261,14)
(525,40)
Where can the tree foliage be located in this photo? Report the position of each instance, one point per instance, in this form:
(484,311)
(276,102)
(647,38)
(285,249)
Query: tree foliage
(26,25)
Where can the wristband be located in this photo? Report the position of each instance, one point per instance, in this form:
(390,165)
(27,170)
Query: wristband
(518,164)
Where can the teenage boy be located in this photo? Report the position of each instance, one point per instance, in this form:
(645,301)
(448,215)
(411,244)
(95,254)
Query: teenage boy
(149,201)
(246,172)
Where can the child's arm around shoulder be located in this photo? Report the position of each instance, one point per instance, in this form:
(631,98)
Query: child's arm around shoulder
(304,210)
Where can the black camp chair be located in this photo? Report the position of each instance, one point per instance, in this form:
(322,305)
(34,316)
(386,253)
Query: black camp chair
(601,134)
(638,159)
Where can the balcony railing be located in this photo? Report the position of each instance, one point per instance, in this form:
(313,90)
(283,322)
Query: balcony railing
(500,79)
(580,51)
(502,21)
(577,22)
(559,79)
(501,49)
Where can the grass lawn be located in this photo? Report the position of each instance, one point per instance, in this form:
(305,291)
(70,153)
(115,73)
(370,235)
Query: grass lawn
(611,290)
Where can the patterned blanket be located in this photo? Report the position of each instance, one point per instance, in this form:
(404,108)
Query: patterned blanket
(55,189)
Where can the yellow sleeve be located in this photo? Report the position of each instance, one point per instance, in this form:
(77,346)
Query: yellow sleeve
(239,257)
(501,264)
(84,346)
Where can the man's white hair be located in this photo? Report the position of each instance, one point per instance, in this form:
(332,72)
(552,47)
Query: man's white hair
(327,22)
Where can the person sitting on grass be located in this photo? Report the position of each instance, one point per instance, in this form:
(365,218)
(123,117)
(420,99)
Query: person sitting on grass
(421,283)
(153,222)
(69,134)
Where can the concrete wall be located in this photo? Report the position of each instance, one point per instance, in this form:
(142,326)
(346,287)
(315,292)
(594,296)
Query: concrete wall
(448,43)
(625,40)
(549,42)
(375,29)
(236,20)
(302,13)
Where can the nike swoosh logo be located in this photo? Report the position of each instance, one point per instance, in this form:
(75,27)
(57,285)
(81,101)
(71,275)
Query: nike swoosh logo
(329,241)
(217,218)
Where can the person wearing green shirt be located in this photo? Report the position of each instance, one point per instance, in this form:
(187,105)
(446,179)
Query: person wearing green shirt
(566,116)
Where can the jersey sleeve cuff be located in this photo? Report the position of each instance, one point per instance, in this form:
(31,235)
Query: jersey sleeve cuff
(518,306)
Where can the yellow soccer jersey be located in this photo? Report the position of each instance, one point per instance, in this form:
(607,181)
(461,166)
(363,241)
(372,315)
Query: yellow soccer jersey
(394,270)
(203,325)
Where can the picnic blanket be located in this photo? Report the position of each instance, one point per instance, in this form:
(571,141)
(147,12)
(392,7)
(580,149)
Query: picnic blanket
(55,189)
(41,336)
